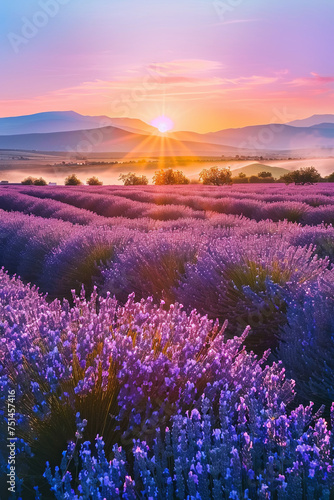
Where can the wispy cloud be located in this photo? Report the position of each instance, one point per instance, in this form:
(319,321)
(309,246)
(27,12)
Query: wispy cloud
(311,81)
(174,78)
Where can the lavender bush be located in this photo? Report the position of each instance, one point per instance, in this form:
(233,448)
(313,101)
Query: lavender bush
(136,365)
(247,283)
(274,455)
(151,266)
(307,341)
(131,370)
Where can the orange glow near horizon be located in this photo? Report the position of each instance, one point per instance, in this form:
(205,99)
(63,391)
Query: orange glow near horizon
(203,104)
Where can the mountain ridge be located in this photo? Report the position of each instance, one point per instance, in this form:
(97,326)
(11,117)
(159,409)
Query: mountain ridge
(312,120)
(109,139)
(272,137)
(67,121)
(253,139)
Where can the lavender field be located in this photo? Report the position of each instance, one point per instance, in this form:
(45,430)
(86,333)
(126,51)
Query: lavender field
(171,342)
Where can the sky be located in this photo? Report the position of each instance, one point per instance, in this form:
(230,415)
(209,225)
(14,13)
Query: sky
(205,64)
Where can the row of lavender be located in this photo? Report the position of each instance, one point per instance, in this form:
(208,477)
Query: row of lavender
(182,411)
(311,205)
(45,251)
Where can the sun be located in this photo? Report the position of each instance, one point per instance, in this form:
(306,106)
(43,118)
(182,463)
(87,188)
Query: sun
(163,123)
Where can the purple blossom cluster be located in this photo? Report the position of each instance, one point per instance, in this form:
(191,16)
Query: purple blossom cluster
(307,341)
(230,433)
(273,455)
(249,283)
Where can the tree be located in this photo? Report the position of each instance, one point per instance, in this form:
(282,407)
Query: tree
(216,176)
(180,178)
(131,179)
(288,178)
(40,182)
(307,175)
(265,175)
(241,179)
(330,177)
(254,179)
(169,176)
(29,181)
(72,180)
(94,181)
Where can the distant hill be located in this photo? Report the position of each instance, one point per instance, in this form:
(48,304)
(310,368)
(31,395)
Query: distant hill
(328,126)
(312,120)
(256,168)
(274,137)
(111,140)
(133,125)
(66,121)
(312,137)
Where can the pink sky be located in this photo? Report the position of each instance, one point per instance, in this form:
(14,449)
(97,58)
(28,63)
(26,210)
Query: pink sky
(206,65)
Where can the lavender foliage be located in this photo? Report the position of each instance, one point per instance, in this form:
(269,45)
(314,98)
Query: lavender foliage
(307,341)
(150,398)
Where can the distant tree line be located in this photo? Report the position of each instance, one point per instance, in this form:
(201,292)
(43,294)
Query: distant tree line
(213,176)
(71,180)
(216,176)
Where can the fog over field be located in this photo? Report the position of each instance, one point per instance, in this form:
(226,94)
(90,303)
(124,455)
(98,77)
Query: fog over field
(16,165)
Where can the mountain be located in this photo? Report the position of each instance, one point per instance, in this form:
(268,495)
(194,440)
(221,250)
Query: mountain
(65,121)
(256,168)
(322,125)
(312,120)
(133,125)
(115,131)
(273,137)
(108,140)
